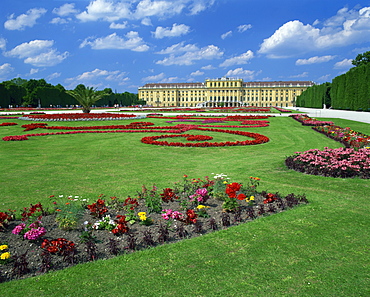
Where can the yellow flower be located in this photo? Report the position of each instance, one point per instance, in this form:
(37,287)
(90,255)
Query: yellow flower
(3,247)
(251,198)
(225,182)
(5,256)
(200,206)
(142,215)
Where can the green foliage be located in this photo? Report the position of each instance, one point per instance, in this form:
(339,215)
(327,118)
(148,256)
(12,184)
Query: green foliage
(351,90)
(152,199)
(38,93)
(315,96)
(362,59)
(85,96)
(69,211)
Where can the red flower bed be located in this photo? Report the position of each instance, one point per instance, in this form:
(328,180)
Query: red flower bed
(258,139)
(77,117)
(15,138)
(307,121)
(282,109)
(8,124)
(148,127)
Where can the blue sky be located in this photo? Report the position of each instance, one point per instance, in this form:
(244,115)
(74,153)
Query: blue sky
(125,44)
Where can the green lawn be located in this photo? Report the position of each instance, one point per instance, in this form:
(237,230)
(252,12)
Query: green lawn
(320,249)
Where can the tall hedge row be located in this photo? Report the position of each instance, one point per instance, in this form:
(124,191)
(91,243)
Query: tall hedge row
(315,96)
(350,91)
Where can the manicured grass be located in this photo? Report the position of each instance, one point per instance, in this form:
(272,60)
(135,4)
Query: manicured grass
(320,249)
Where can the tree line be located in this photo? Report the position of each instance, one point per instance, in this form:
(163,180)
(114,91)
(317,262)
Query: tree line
(349,91)
(20,92)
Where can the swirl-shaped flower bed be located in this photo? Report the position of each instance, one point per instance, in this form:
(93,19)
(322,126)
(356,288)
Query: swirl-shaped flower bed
(200,140)
(340,162)
(257,139)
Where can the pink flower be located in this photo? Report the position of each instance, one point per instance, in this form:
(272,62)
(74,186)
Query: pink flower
(18,229)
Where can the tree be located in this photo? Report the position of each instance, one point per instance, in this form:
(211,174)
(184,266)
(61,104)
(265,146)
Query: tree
(362,59)
(85,96)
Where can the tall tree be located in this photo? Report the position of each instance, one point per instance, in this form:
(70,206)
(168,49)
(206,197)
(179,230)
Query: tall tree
(86,96)
(362,59)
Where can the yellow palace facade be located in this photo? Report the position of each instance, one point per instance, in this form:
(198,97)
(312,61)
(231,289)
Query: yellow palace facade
(223,92)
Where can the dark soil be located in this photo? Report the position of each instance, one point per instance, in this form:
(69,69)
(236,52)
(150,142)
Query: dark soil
(26,260)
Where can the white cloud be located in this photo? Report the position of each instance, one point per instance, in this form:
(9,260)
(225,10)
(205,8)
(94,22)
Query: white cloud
(53,76)
(146,22)
(346,63)
(227,34)
(60,21)
(155,78)
(114,10)
(105,10)
(97,77)
(34,71)
(132,41)
(292,38)
(241,73)
(314,60)
(200,5)
(161,9)
(118,26)
(206,53)
(304,74)
(66,10)
(178,48)
(176,30)
(324,78)
(32,48)
(243,28)
(208,67)
(5,69)
(347,27)
(2,44)
(47,59)
(24,20)
(197,73)
(38,53)
(238,60)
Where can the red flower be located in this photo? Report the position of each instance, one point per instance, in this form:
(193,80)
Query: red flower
(241,196)
(168,195)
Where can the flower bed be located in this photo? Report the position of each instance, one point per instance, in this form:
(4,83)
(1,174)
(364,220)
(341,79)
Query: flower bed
(341,162)
(82,230)
(258,139)
(8,124)
(79,117)
(282,109)
(307,121)
(149,127)
(346,136)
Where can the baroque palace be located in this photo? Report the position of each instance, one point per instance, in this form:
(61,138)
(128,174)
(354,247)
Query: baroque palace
(223,92)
